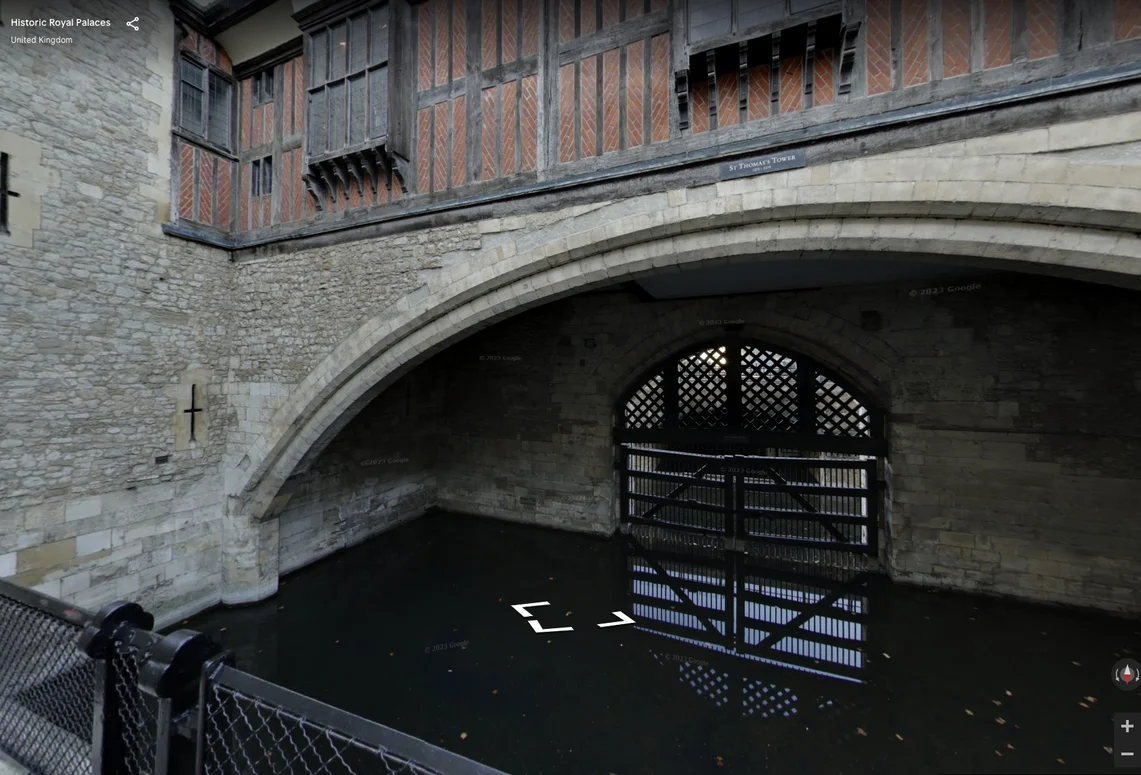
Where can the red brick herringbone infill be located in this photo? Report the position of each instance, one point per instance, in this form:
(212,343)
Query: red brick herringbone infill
(244,197)
(530,28)
(792,84)
(443,69)
(878,15)
(287,91)
(587,17)
(823,77)
(205,187)
(190,42)
(635,8)
(728,100)
(490,120)
(1127,19)
(298,97)
(247,101)
(207,50)
(255,126)
(186,181)
(510,27)
(529,123)
(610,87)
(956,37)
(635,94)
(508,128)
(489,35)
(609,13)
(224,62)
(423,150)
(225,170)
(566,20)
(268,124)
(659,88)
(286,187)
(566,113)
(916,51)
(440,148)
(699,105)
(1042,28)
(424,46)
(760,92)
(588,107)
(998,21)
(459,141)
(459,39)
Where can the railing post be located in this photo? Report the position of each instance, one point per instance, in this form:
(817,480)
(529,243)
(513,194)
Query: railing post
(108,751)
(172,674)
(201,735)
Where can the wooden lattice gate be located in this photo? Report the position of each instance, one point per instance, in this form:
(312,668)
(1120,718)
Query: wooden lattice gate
(736,439)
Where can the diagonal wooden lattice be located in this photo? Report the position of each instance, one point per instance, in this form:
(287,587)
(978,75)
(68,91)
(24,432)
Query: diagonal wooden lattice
(768,391)
(703,390)
(838,413)
(707,681)
(646,408)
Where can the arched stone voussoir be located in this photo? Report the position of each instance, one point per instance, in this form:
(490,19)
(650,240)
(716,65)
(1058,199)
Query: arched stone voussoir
(676,238)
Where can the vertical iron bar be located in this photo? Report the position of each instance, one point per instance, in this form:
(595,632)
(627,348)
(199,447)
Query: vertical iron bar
(805,399)
(624,481)
(107,754)
(871,471)
(162,737)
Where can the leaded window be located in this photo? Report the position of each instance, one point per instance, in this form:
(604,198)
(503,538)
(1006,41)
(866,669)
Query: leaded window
(206,103)
(261,177)
(263,87)
(348,83)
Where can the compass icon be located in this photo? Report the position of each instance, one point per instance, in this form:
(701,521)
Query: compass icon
(1127,675)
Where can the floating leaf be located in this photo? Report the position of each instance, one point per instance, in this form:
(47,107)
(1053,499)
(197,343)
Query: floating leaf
(969,711)
(861,732)
(463,735)
(1000,720)
(568,613)
(1108,750)
(1011,747)
(1079,664)
(898,736)
(495,691)
(886,655)
(720,761)
(1009,693)
(1061,761)
(1091,700)
(998,703)
(997,753)
(336,641)
(1083,704)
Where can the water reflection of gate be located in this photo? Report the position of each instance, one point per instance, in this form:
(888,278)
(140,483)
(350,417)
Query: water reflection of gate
(725,604)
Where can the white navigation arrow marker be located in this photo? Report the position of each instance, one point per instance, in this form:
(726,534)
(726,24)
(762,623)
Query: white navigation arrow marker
(539,628)
(521,608)
(622,619)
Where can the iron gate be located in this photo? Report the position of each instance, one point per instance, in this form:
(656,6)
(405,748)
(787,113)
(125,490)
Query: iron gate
(734,439)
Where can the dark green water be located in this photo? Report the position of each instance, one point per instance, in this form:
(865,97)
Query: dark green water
(415,630)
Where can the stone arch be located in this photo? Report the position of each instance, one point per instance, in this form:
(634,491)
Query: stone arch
(388,345)
(1059,223)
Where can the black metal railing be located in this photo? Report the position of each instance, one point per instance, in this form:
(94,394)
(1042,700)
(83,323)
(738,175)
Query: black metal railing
(104,694)
(46,684)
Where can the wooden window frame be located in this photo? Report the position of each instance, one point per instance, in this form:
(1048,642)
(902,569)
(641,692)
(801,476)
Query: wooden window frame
(325,84)
(209,72)
(261,177)
(263,95)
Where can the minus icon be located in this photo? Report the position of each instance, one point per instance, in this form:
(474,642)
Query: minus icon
(1126,753)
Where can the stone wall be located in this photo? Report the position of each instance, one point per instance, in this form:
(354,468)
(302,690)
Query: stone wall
(105,324)
(380,471)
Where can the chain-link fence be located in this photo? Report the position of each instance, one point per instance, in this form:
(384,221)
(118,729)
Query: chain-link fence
(254,727)
(103,694)
(46,684)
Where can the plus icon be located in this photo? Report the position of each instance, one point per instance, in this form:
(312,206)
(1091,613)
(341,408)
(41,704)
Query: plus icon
(1128,726)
